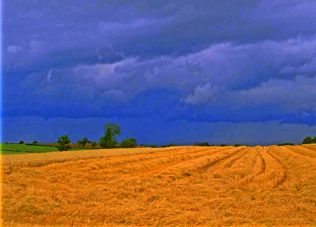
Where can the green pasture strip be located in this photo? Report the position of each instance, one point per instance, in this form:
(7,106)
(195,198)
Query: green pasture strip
(11,148)
(24,148)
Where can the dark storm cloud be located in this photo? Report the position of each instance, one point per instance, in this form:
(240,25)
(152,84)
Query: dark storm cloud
(45,34)
(225,76)
(207,61)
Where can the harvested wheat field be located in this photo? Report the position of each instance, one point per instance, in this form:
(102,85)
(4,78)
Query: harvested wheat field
(178,186)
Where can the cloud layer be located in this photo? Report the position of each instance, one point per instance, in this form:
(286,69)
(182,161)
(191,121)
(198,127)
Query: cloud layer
(232,61)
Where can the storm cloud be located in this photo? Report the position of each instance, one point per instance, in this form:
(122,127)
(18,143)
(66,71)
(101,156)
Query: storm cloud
(211,61)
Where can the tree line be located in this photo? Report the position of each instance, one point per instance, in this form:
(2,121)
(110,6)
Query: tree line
(309,139)
(108,140)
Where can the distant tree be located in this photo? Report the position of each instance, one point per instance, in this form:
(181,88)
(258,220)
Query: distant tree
(21,142)
(128,143)
(83,142)
(202,144)
(79,142)
(34,142)
(286,144)
(93,144)
(309,139)
(111,131)
(64,143)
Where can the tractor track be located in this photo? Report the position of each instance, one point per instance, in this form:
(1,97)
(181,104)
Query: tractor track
(283,173)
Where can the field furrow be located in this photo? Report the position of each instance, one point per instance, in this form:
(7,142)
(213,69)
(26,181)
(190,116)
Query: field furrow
(280,170)
(233,153)
(140,167)
(305,152)
(177,186)
(258,168)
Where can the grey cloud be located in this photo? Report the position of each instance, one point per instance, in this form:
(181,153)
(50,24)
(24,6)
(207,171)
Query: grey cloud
(52,34)
(217,54)
(14,49)
(211,75)
(202,94)
(297,95)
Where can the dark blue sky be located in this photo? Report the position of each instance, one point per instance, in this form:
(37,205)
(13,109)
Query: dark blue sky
(166,71)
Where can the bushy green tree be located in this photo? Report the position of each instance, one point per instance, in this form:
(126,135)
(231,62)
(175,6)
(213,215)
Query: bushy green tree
(309,139)
(238,145)
(202,144)
(34,142)
(93,144)
(64,143)
(21,142)
(128,143)
(111,131)
(83,142)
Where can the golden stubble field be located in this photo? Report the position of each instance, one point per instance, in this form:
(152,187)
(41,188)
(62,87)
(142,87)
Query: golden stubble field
(177,186)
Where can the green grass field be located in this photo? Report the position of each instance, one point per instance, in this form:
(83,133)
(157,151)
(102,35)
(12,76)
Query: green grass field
(14,148)
(24,148)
